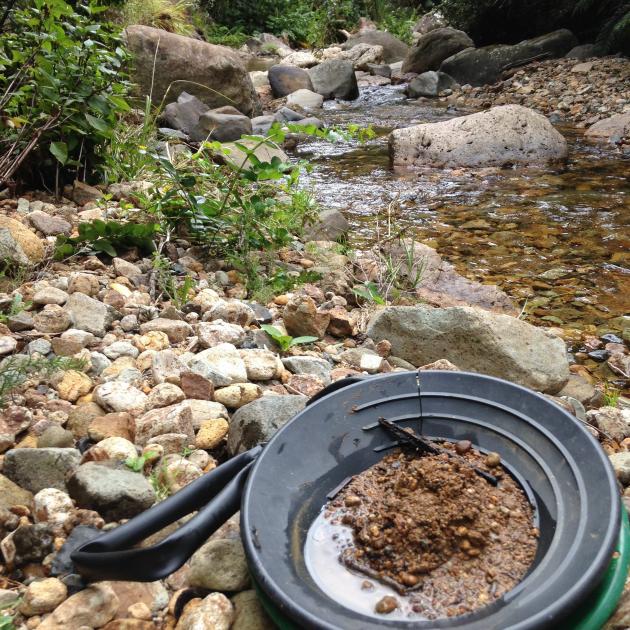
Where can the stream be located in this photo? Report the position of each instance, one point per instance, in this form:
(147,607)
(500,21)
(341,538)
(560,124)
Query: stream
(556,240)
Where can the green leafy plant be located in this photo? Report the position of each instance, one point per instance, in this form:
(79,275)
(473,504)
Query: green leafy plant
(157,483)
(369,292)
(137,464)
(611,395)
(286,341)
(125,158)
(17,306)
(62,89)
(7,614)
(109,237)
(178,293)
(15,370)
(223,35)
(232,209)
(249,203)
(399,22)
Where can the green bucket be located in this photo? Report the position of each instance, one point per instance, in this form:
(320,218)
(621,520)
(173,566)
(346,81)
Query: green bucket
(591,616)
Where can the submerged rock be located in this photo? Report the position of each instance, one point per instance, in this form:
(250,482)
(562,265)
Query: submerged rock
(477,341)
(509,134)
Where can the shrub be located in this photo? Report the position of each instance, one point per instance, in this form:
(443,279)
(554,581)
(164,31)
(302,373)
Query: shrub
(168,15)
(609,21)
(108,237)
(62,89)
(508,21)
(232,210)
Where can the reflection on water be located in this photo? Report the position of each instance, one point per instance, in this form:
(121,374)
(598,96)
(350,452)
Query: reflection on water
(556,239)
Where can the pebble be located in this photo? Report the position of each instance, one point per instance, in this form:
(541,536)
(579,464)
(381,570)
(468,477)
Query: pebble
(113,448)
(91,608)
(73,385)
(7,344)
(249,613)
(211,433)
(42,597)
(235,396)
(52,506)
(49,295)
(55,437)
(213,612)
(115,396)
(220,565)
(493,460)
(196,386)
(176,472)
(386,605)
(463,446)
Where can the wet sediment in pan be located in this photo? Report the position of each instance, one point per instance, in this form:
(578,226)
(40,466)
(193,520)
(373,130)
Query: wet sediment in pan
(424,537)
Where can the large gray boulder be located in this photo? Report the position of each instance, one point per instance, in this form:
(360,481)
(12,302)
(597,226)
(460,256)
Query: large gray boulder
(583,51)
(509,134)
(475,340)
(257,421)
(393,48)
(335,78)
(166,64)
(285,80)
(481,66)
(433,48)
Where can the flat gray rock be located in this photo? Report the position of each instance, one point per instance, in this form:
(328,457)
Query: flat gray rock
(37,468)
(257,421)
(114,493)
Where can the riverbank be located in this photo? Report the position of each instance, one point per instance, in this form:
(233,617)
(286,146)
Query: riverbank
(567,90)
(137,359)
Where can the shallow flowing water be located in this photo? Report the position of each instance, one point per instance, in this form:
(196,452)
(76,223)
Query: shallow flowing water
(557,239)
